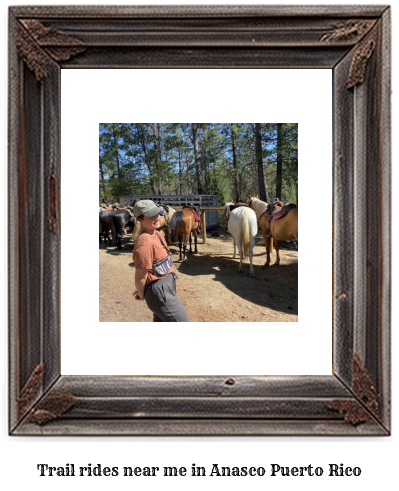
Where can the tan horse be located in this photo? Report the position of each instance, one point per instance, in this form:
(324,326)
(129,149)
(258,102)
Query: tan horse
(284,228)
(164,221)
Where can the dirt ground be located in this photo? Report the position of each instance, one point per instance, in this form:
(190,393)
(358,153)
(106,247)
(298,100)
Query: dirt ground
(209,284)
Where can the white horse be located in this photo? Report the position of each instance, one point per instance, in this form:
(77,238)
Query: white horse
(243,226)
(226,212)
(257,205)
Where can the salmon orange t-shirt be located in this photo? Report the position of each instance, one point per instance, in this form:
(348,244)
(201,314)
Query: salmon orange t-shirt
(147,250)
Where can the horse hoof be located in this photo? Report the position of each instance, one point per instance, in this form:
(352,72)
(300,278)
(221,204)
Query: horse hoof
(252,275)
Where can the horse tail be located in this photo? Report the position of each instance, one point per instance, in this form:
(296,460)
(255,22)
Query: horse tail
(245,235)
(295,212)
(176,220)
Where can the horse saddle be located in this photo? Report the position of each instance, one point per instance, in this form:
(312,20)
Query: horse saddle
(165,207)
(280,212)
(193,209)
(238,205)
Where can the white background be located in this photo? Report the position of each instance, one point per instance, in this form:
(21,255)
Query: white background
(294,348)
(376,456)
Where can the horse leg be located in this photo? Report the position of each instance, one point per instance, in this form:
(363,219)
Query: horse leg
(190,243)
(185,248)
(113,233)
(119,240)
(180,248)
(277,248)
(251,254)
(104,237)
(268,243)
(195,241)
(234,255)
(241,251)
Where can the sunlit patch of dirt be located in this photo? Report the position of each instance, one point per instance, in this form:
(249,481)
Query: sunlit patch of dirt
(209,284)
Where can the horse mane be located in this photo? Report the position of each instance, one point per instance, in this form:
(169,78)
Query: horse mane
(258,206)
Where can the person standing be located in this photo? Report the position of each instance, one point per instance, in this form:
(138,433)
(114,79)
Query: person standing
(155,279)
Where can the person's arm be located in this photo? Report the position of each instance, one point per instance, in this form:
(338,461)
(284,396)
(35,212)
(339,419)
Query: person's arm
(140,279)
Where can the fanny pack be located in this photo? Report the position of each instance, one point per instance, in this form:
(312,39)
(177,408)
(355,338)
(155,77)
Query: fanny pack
(163,266)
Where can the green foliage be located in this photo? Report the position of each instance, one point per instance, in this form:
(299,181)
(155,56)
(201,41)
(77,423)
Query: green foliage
(160,158)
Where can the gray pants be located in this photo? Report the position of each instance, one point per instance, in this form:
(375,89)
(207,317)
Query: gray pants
(161,299)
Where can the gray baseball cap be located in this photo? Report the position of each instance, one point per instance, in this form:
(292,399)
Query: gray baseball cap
(147,208)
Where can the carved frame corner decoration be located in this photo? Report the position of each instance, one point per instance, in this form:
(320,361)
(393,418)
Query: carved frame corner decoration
(353,42)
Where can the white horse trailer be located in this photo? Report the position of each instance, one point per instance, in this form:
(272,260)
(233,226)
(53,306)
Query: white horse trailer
(179,200)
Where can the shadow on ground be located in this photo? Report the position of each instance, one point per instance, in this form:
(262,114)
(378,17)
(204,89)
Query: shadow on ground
(211,283)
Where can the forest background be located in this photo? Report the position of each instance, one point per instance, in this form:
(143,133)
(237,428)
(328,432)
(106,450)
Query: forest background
(230,160)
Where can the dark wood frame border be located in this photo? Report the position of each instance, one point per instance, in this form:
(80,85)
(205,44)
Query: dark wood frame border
(353,41)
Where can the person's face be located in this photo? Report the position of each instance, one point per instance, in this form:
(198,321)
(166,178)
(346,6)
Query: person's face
(150,224)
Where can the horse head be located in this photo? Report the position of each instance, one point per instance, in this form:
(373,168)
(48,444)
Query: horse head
(257,205)
(227,209)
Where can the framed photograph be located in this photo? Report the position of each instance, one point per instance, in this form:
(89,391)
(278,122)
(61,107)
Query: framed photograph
(353,43)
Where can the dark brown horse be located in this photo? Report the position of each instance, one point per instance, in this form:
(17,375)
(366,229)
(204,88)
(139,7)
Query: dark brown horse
(120,220)
(105,226)
(181,225)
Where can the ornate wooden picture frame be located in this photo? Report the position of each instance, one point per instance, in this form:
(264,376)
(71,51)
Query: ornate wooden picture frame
(352,41)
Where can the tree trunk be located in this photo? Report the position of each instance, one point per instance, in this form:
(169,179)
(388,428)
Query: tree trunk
(180,185)
(279,177)
(116,151)
(116,155)
(158,161)
(102,179)
(146,158)
(236,180)
(196,158)
(259,161)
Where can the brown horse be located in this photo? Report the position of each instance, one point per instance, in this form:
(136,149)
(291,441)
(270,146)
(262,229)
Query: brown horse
(182,224)
(274,228)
